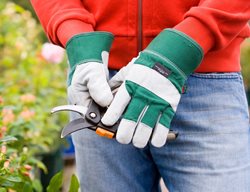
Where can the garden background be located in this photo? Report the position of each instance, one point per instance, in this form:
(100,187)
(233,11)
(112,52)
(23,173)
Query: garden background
(32,82)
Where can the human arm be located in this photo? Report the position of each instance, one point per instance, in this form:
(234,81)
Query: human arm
(214,24)
(62,20)
(70,25)
(149,98)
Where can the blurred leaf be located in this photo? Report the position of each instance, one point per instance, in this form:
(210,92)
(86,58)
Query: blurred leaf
(8,139)
(245,61)
(27,187)
(14,179)
(38,163)
(56,182)
(74,184)
(37,185)
(3,190)
(19,9)
(9,181)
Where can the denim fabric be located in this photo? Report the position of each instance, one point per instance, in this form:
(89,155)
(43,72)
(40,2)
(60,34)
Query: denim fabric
(211,153)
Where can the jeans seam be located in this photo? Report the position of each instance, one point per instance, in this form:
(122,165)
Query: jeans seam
(233,75)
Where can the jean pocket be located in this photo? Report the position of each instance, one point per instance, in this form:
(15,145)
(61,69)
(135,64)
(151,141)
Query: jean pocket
(215,100)
(225,87)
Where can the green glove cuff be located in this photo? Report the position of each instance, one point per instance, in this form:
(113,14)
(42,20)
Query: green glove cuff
(176,52)
(87,47)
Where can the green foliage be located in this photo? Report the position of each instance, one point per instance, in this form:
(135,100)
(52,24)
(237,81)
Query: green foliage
(26,5)
(74,184)
(56,183)
(30,87)
(7,139)
(245,62)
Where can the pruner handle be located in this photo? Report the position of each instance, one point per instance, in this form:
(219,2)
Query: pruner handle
(110,132)
(107,131)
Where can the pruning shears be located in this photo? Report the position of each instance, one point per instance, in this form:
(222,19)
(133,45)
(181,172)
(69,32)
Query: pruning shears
(91,119)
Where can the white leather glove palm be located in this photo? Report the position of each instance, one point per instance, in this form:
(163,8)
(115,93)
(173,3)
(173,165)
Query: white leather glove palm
(88,58)
(90,82)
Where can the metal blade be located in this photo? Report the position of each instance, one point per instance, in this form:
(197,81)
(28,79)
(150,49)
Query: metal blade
(75,108)
(75,125)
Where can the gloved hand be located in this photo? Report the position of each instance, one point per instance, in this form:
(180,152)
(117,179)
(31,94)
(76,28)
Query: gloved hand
(88,58)
(151,88)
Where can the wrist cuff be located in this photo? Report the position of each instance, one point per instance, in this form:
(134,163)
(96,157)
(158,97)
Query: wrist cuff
(87,47)
(179,49)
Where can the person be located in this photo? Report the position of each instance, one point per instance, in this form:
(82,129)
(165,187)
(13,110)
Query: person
(179,69)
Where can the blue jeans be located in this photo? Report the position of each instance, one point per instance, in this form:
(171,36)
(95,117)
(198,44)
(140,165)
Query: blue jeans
(211,154)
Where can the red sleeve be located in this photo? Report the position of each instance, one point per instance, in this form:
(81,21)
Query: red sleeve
(215,23)
(62,19)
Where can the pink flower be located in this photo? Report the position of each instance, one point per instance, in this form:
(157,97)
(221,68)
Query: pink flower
(12,169)
(6,111)
(27,114)
(1,100)
(6,164)
(27,174)
(3,149)
(28,98)
(27,167)
(8,116)
(3,129)
(52,53)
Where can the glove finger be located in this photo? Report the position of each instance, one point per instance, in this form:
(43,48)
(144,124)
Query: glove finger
(128,124)
(160,135)
(119,78)
(161,130)
(99,88)
(125,131)
(117,107)
(142,135)
(145,126)
(78,97)
(105,60)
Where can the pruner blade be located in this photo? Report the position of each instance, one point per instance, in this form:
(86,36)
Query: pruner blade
(75,108)
(75,125)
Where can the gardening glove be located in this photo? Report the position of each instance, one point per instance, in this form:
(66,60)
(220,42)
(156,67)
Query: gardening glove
(151,88)
(88,58)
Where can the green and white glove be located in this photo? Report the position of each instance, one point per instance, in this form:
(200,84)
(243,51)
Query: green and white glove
(88,76)
(151,88)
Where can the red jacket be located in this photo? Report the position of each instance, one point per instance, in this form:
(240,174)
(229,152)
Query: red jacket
(219,26)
